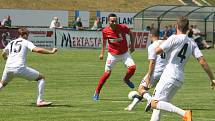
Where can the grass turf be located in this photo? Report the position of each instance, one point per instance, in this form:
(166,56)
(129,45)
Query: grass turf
(71,77)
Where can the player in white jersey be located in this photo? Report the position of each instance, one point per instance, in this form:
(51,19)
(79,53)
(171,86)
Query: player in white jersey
(178,49)
(157,64)
(15,54)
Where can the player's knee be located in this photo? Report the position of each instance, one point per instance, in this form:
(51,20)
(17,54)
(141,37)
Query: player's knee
(131,69)
(40,77)
(141,89)
(154,104)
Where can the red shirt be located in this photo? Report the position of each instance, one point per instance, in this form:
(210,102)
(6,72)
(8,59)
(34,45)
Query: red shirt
(117,43)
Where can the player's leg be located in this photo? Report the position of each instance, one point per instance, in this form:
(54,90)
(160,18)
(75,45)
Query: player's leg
(137,98)
(156,115)
(7,76)
(131,67)
(110,62)
(32,74)
(163,94)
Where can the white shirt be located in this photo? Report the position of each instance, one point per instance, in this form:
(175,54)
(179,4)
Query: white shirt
(160,59)
(17,51)
(196,33)
(55,24)
(178,49)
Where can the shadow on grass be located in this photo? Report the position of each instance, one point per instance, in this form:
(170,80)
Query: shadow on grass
(34,105)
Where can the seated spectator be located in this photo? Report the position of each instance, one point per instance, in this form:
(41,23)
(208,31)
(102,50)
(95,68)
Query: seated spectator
(147,29)
(197,36)
(97,24)
(55,23)
(6,22)
(77,25)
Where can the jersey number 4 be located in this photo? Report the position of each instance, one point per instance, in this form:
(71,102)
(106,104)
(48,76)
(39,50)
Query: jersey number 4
(15,47)
(182,52)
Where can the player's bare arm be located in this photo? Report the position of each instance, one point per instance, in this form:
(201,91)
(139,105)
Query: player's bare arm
(4,55)
(207,69)
(132,48)
(150,71)
(44,51)
(103,49)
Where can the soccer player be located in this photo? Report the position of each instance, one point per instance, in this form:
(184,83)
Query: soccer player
(178,49)
(115,34)
(15,53)
(157,64)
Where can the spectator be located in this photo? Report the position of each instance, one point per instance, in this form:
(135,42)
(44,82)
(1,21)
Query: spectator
(6,22)
(97,24)
(77,25)
(197,36)
(55,23)
(147,29)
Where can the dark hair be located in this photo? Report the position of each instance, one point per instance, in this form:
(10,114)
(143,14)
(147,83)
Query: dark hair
(155,32)
(23,31)
(183,24)
(111,15)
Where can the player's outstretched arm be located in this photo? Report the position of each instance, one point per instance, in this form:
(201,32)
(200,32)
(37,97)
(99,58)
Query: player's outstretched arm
(44,51)
(207,69)
(132,48)
(104,42)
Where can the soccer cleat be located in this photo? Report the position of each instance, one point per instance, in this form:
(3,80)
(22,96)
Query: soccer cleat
(188,116)
(129,108)
(148,106)
(96,97)
(129,83)
(43,103)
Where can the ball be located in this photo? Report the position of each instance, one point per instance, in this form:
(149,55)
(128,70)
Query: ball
(131,94)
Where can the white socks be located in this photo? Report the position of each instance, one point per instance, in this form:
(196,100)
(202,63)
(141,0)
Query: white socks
(1,86)
(134,102)
(161,105)
(41,84)
(156,115)
(147,96)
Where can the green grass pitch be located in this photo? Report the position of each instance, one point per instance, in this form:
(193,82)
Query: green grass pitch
(71,78)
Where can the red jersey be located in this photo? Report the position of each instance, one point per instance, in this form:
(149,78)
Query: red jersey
(117,43)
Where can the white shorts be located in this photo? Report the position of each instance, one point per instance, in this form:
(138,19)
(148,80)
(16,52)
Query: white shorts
(23,72)
(112,59)
(153,81)
(165,90)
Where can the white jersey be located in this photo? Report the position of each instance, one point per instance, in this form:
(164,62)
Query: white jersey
(160,59)
(17,51)
(178,49)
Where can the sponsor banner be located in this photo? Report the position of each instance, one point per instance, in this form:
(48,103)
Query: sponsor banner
(6,35)
(76,39)
(141,39)
(123,18)
(92,39)
(42,37)
(34,17)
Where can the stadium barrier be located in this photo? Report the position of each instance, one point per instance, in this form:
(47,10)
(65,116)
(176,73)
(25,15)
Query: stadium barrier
(66,38)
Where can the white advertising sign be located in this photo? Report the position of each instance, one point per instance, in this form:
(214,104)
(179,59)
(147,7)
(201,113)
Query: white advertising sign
(92,39)
(34,17)
(123,18)
(42,37)
(78,39)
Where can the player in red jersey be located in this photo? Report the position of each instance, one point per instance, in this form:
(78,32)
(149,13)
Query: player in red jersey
(115,34)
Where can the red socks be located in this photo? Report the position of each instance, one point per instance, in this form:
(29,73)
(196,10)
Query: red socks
(102,80)
(130,72)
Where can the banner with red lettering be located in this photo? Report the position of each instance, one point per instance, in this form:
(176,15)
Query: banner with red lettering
(42,37)
(92,39)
